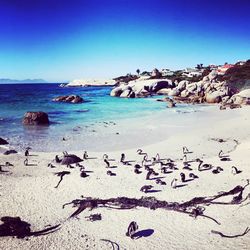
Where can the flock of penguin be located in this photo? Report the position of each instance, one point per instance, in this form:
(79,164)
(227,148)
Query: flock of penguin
(156,168)
(153,167)
(168,166)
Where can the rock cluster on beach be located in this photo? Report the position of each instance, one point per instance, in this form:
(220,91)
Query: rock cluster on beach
(36,118)
(215,84)
(69,99)
(141,88)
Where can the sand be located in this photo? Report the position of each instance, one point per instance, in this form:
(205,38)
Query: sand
(91,82)
(29,192)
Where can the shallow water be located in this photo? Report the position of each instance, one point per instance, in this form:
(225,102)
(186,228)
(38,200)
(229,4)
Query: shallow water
(99,123)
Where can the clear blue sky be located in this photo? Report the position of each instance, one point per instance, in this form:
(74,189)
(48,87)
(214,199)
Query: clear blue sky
(65,39)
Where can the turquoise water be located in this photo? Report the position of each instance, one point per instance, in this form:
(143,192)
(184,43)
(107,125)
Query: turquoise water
(19,98)
(66,118)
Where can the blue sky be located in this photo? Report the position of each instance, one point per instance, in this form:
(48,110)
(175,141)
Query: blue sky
(60,40)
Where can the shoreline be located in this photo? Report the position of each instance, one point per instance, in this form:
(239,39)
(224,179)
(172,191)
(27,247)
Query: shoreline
(119,133)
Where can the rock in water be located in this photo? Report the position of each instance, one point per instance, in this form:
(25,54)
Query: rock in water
(171,103)
(69,99)
(3,142)
(126,93)
(116,91)
(36,118)
(160,85)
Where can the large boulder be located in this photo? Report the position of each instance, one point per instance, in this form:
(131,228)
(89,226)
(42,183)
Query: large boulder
(142,93)
(200,84)
(174,92)
(116,91)
(141,88)
(244,93)
(151,85)
(242,98)
(164,91)
(132,94)
(205,79)
(212,75)
(214,97)
(160,85)
(171,103)
(206,85)
(128,93)
(226,99)
(196,99)
(3,142)
(125,93)
(179,99)
(36,118)
(182,85)
(69,99)
(191,87)
(219,85)
(156,73)
(146,85)
(229,105)
(185,93)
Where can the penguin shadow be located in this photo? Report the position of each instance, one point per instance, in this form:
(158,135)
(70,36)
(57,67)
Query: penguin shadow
(142,233)
(112,167)
(183,177)
(155,178)
(225,159)
(152,191)
(180,185)
(91,158)
(188,180)
(128,163)
(31,165)
(3,171)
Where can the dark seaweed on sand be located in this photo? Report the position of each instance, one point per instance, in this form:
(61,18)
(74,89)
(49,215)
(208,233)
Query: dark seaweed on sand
(14,226)
(194,207)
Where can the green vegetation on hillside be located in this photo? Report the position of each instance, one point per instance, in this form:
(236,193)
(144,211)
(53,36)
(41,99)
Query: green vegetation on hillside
(238,77)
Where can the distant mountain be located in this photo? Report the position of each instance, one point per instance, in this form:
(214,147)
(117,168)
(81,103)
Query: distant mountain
(3,80)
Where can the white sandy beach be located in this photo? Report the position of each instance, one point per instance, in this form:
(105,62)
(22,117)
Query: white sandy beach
(29,191)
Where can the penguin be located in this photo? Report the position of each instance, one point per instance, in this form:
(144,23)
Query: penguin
(235,170)
(174,183)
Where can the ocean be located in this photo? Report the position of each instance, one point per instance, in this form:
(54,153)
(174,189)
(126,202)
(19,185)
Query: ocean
(86,125)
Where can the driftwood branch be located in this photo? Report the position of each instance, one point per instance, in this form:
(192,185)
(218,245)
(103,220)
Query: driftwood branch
(231,236)
(114,244)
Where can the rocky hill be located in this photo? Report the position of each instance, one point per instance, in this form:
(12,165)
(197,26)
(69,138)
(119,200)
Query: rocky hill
(218,84)
(238,77)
